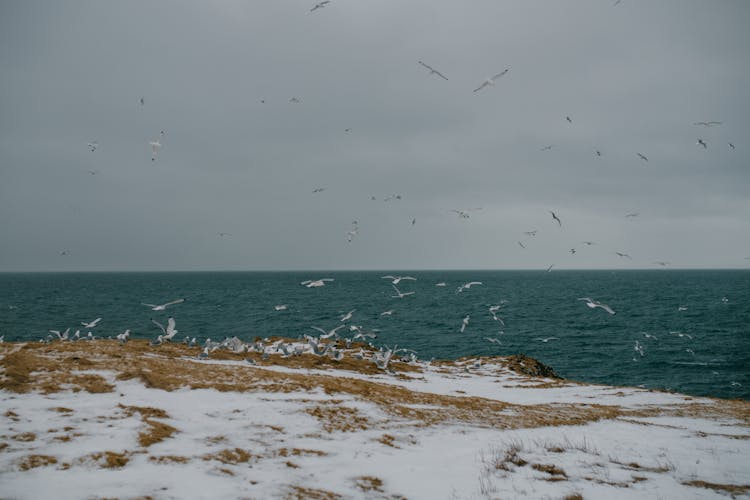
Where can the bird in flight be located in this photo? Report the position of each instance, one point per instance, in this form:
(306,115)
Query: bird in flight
(547,148)
(397,279)
(731,145)
(546,339)
(294,100)
(318,190)
(662,263)
(347,316)
(464,323)
(91,324)
(549,269)
(569,119)
(468,285)
(573,251)
(632,214)
(464,214)
(316,283)
(320,5)
(401,294)
(531,233)
(642,157)
(521,245)
(707,124)
(559,222)
(162,307)
(701,142)
(491,81)
(598,153)
(156,145)
(588,243)
(142,101)
(433,71)
(93,145)
(591,303)
(168,332)
(327,334)
(620,254)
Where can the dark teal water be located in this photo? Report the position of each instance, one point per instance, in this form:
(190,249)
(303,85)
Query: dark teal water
(592,345)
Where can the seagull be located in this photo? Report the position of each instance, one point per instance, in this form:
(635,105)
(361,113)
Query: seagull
(91,324)
(731,145)
(493,340)
(142,101)
(93,145)
(598,153)
(401,294)
(63,335)
(156,145)
(442,283)
(701,142)
(318,190)
(680,334)
(433,71)
(169,332)
(591,303)
(546,339)
(327,334)
(491,81)
(397,279)
(649,336)
(468,285)
(393,197)
(547,147)
(352,233)
(221,235)
(642,157)
(521,245)
(707,124)
(162,307)
(123,337)
(638,348)
(531,233)
(389,312)
(573,251)
(662,263)
(559,222)
(320,5)
(588,243)
(93,172)
(682,308)
(413,220)
(568,119)
(315,283)
(294,100)
(65,252)
(550,267)
(464,323)
(620,254)
(347,316)
(280,307)
(632,214)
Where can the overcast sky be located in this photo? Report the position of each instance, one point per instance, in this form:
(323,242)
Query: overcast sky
(239,158)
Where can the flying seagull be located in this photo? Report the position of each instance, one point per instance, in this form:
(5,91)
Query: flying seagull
(632,214)
(315,283)
(348,315)
(620,254)
(598,153)
(491,81)
(91,324)
(701,142)
(327,334)
(731,145)
(642,157)
(464,323)
(397,279)
(591,303)
(401,294)
(93,145)
(468,285)
(531,233)
(547,147)
(521,245)
(559,222)
(707,124)
(142,101)
(569,119)
(546,339)
(318,190)
(162,307)
(433,71)
(168,332)
(156,145)
(320,5)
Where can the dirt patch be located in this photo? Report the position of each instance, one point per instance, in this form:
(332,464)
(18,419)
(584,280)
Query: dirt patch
(61,409)
(34,461)
(526,365)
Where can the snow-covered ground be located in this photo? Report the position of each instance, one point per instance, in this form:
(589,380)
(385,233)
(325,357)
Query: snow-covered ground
(100,420)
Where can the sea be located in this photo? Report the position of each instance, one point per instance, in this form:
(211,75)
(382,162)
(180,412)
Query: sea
(678,330)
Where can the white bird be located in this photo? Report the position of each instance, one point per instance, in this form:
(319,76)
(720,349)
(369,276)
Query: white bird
(433,71)
(632,214)
(531,233)
(464,323)
(169,332)
(93,145)
(549,269)
(638,348)
(397,279)
(123,337)
(401,294)
(318,190)
(493,340)
(491,80)
(63,335)
(389,312)
(649,336)
(347,316)
(442,283)
(316,283)
(591,303)
(91,324)
(320,5)
(294,100)
(162,307)
(280,307)
(156,145)
(328,334)
(682,308)
(547,147)
(680,334)
(468,285)
(546,339)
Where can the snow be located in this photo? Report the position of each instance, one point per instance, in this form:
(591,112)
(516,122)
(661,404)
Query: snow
(634,456)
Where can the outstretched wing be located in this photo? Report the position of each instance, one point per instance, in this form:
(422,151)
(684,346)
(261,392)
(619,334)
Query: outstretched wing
(161,327)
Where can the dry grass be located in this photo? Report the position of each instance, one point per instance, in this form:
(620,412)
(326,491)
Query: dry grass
(33,461)
(299,452)
(388,440)
(550,469)
(61,409)
(107,459)
(168,459)
(229,456)
(155,433)
(25,437)
(339,418)
(733,489)
(301,493)
(573,496)
(369,483)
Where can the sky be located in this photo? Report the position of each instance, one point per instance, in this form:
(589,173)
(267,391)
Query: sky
(232,185)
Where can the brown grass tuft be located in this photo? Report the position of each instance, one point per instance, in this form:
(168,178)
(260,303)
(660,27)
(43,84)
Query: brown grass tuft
(168,459)
(11,415)
(108,459)
(145,411)
(573,496)
(3,446)
(369,483)
(339,418)
(227,456)
(25,437)
(301,493)
(33,461)
(738,489)
(550,469)
(298,452)
(156,432)
(388,440)
(61,409)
